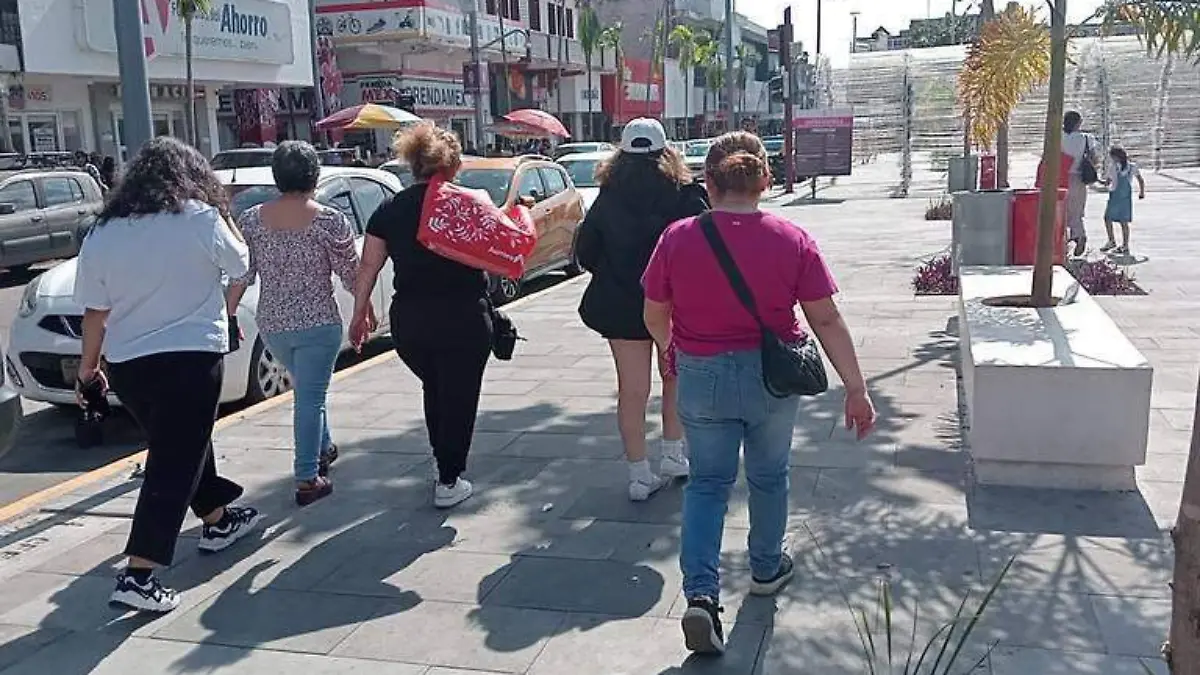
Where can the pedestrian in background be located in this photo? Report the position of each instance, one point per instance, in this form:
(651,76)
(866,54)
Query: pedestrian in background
(644,187)
(296,247)
(1081,146)
(440,315)
(150,281)
(723,401)
(1121,175)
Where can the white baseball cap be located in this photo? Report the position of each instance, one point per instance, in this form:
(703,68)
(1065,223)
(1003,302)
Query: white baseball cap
(642,136)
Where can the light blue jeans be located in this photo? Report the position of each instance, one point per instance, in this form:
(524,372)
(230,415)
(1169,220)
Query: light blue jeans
(309,356)
(723,405)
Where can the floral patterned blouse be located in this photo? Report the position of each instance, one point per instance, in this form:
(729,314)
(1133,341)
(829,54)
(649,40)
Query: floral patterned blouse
(296,268)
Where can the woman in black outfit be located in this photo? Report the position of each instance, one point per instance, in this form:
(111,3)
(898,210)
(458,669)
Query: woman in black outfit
(441,324)
(644,187)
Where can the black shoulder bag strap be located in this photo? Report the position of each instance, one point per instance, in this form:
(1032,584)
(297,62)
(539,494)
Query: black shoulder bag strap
(732,273)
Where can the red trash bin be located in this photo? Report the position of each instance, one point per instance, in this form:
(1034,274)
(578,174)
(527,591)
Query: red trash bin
(987,172)
(1023,243)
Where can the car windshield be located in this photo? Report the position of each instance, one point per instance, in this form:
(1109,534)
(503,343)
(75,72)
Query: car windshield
(243,197)
(400,171)
(697,149)
(773,144)
(494,181)
(241,160)
(583,172)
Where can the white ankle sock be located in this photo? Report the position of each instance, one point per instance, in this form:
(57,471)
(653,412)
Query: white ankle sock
(640,472)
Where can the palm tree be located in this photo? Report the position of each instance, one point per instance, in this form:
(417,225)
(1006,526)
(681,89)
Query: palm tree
(610,38)
(589,39)
(187,10)
(658,53)
(748,60)
(683,40)
(705,54)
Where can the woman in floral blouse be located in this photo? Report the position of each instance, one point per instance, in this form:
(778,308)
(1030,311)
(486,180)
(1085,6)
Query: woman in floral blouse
(296,246)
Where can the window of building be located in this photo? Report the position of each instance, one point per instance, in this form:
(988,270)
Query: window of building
(490,7)
(535,14)
(551,18)
(570,23)
(514,11)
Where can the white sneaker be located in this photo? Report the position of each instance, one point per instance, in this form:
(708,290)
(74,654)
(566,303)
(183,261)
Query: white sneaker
(674,461)
(640,489)
(447,496)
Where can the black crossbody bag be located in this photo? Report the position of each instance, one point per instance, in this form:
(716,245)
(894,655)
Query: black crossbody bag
(789,368)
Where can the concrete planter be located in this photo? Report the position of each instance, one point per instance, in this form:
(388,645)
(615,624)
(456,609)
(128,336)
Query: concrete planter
(963,173)
(1057,397)
(981,231)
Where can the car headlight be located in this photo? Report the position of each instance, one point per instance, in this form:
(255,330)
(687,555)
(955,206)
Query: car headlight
(29,299)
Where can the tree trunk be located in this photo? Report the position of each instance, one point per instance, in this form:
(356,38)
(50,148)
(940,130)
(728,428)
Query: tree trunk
(591,124)
(1043,269)
(1183,653)
(1002,156)
(193,118)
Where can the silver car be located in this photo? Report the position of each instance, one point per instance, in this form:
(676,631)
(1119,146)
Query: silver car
(10,408)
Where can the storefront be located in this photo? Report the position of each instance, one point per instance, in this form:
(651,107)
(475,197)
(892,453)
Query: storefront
(440,97)
(637,94)
(48,117)
(70,55)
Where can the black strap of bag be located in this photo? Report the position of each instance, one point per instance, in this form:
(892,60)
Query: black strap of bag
(789,369)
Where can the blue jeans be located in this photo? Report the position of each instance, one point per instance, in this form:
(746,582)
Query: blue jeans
(309,356)
(723,405)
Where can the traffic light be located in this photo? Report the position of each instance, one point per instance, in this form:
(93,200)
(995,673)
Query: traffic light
(775,87)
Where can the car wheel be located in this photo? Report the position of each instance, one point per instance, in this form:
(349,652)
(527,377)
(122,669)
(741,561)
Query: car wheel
(504,290)
(268,377)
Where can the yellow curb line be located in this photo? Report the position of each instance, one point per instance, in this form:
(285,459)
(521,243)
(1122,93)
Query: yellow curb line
(37,499)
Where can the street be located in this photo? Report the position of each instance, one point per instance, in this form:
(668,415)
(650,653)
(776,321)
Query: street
(45,453)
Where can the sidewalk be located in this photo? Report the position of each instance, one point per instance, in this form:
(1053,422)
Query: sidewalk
(550,570)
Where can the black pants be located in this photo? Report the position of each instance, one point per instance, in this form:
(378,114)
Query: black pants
(450,365)
(173,396)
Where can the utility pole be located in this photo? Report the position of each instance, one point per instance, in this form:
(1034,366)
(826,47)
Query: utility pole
(812,82)
(500,5)
(472,7)
(730,83)
(789,95)
(135,87)
(318,93)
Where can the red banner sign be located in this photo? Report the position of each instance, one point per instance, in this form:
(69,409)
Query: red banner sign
(626,98)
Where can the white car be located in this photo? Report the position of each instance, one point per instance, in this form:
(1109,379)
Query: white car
(10,411)
(582,168)
(694,155)
(44,343)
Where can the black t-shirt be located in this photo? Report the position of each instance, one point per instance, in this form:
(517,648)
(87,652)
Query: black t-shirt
(436,298)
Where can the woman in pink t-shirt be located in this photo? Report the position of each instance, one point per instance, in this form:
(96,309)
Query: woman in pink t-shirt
(723,403)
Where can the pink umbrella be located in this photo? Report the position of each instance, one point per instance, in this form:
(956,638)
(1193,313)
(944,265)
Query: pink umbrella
(539,120)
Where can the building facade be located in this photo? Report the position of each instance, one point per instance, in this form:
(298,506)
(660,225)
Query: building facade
(67,95)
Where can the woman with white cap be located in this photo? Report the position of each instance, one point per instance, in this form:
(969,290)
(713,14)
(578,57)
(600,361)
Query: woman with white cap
(644,187)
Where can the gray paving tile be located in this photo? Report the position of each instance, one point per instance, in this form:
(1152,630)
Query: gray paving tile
(389,572)
(503,639)
(587,586)
(104,556)
(1008,661)
(18,643)
(602,644)
(1133,626)
(1063,621)
(1072,564)
(561,446)
(276,619)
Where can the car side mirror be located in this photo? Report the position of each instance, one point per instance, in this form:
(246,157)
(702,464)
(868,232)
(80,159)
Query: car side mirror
(7,208)
(535,195)
(527,201)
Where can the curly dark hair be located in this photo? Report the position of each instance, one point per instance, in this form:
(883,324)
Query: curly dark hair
(164,175)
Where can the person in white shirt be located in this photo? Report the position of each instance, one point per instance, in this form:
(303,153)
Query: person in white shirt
(1120,178)
(150,278)
(1081,146)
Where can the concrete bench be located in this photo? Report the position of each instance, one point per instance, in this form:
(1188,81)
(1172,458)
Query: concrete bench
(1057,397)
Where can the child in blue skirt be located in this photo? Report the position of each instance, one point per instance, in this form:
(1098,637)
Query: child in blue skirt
(1121,174)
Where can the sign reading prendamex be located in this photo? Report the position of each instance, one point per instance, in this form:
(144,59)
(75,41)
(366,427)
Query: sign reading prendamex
(259,31)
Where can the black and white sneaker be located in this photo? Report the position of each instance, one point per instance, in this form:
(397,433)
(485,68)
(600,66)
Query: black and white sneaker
(150,596)
(237,522)
(772,585)
(702,632)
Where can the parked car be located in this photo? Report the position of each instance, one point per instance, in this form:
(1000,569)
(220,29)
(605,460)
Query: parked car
(557,209)
(400,169)
(581,167)
(774,147)
(10,409)
(575,148)
(694,155)
(249,158)
(44,343)
(44,215)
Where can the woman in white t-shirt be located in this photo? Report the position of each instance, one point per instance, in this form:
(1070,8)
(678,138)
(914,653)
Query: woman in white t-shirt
(150,280)
(1080,146)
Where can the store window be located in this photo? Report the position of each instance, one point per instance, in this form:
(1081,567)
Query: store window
(43,132)
(16,133)
(72,130)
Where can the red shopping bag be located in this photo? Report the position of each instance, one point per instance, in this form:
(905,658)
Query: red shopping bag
(1066,163)
(465,226)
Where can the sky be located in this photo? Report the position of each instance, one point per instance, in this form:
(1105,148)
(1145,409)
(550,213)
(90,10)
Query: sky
(891,14)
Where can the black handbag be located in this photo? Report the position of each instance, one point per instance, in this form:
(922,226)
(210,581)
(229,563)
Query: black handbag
(789,368)
(504,334)
(1087,169)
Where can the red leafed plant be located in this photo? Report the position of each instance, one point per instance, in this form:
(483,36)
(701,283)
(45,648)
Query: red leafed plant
(1098,277)
(936,277)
